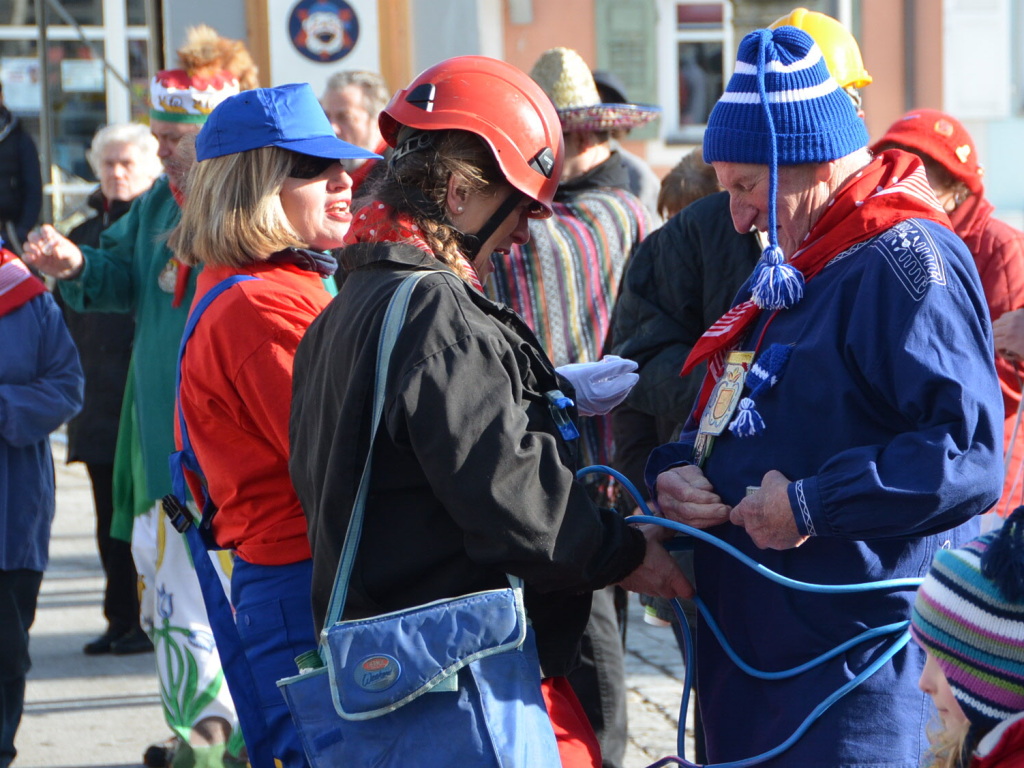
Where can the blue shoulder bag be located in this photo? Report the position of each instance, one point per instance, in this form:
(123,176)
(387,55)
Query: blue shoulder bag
(453,682)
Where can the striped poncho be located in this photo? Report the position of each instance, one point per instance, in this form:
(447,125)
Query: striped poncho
(564,282)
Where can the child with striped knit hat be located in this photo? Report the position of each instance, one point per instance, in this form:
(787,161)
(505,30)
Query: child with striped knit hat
(969,618)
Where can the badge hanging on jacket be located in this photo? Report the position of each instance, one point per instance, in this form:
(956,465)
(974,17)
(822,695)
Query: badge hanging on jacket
(168,276)
(722,404)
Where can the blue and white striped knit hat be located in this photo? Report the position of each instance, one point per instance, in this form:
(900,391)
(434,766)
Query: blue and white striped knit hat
(781,107)
(969,614)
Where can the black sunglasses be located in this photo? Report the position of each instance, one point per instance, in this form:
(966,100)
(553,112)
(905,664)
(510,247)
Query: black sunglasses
(309,167)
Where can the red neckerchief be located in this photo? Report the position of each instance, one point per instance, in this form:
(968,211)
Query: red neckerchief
(376,222)
(891,189)
(17,285)
(184,270)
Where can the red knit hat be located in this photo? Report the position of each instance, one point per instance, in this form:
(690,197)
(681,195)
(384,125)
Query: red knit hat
(943,138)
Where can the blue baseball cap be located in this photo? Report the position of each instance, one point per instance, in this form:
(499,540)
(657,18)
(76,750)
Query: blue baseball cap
(288,116)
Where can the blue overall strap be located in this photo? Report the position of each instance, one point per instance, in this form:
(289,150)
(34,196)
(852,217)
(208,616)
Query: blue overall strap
(186,457)
(237,671)
(394,319)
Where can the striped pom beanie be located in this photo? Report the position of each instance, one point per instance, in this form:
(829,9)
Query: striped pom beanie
(781,107)
(969,614)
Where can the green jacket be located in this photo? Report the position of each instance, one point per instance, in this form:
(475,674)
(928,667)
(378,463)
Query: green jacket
(123,275)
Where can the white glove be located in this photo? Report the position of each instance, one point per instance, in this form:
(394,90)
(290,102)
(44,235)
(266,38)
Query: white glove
(601,385)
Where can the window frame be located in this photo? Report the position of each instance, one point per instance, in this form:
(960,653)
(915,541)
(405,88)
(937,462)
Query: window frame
(669,38)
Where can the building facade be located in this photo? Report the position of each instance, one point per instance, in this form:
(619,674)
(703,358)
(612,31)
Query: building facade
(962,56)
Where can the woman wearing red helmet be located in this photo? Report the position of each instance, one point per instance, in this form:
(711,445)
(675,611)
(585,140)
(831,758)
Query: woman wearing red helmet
(473,472)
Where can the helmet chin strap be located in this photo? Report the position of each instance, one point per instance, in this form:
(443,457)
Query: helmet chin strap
(470,244)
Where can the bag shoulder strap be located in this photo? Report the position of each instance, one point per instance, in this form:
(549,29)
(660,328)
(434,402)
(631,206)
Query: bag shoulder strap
(394,319)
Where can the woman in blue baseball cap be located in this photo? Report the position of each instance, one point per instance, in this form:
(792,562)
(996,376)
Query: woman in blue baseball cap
(266,201)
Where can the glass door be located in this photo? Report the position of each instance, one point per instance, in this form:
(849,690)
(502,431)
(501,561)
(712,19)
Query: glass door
(95,73)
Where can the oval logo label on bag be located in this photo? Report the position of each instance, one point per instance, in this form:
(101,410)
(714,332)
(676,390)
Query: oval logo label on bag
(377,673)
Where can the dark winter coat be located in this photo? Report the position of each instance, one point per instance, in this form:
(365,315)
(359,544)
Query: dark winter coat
(471,478)
(104,341)
(21,184)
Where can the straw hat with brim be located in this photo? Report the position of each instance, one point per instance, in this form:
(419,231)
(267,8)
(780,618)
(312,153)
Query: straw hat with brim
(567,81)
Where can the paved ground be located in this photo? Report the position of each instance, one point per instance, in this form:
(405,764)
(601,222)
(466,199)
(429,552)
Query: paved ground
(101,712)
(654,675)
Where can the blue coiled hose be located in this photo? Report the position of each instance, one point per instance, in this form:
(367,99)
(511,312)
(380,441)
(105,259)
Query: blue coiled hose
(899,631)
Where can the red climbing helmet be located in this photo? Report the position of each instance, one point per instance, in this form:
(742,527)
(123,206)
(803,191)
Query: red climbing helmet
(495,101)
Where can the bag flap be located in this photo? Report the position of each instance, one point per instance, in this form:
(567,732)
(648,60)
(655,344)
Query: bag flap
(377,665)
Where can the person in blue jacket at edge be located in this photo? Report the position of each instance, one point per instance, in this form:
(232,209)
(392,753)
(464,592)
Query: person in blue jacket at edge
(849,425)
(41,387)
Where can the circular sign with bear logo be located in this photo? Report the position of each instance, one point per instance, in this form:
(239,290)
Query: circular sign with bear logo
(323,30)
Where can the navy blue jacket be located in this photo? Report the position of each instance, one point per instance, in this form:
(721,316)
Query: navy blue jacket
(888,420)
(41,387)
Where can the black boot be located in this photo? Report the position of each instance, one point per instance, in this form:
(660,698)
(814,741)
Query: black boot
(136,641)
(102,643)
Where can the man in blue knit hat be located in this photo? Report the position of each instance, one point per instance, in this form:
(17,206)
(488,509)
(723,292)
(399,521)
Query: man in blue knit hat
(846,429)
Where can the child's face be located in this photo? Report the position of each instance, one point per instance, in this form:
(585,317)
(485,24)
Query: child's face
(933,682)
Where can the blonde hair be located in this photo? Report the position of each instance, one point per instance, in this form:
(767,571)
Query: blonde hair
(416,184)
(689,181)
(233,214)
(947,747)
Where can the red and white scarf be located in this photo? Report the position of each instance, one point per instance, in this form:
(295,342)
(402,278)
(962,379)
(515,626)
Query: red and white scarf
(377,222)
(18,285)
(891,189)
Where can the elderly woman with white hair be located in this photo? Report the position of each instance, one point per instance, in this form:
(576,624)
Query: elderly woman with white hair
(124,159)
(848,427)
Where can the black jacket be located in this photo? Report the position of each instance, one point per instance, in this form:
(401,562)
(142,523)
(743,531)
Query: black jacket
(684,276)
(471,478)
(21,184)
(104,341)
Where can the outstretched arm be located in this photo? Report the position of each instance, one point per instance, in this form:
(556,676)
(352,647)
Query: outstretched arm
(53,254)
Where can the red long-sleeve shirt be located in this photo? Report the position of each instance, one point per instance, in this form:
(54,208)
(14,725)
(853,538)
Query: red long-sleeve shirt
(236,387)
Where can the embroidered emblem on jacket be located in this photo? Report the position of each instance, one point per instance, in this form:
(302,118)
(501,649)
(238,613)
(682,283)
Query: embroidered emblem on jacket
(913,256)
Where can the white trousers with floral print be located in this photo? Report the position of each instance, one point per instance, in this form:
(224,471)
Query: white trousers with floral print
(172,611)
